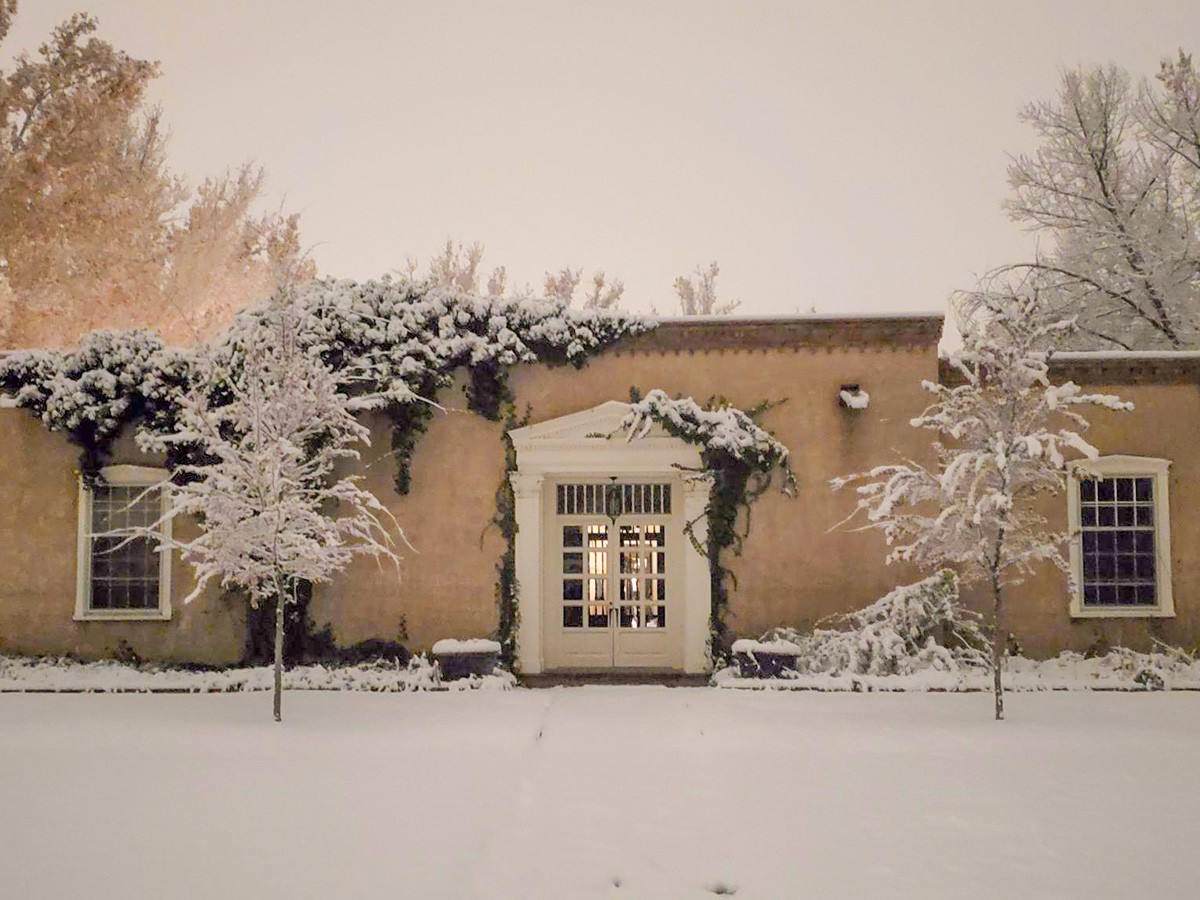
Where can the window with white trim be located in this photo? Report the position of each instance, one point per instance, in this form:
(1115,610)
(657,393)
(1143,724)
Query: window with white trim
(1119,514)
(122,577)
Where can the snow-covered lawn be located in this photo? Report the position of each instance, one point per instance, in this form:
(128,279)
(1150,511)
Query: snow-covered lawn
(612,792)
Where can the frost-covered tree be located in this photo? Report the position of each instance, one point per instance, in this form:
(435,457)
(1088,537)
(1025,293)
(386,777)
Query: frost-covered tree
(275,506)
(1007,433)
(95,230)
(1115,186)
(697,293)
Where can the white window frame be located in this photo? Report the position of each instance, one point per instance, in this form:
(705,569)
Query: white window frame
(121,476)
(1127,467)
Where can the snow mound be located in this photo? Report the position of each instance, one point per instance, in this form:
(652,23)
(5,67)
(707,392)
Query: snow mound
(108,676)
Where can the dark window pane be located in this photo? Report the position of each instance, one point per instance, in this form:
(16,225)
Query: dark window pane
(1145,516)
(1125,516)
(1104,542)
(561,506)
(1106,567)
(572,563)
(572,616)
(1089,567)
(1087,516)
(1108,516)
(598,616)
(1147,595)
(1124,489)
(1105,490)
(1089,593)
(1145,566)
(1127,594)
(1107,594)
(1145,489)
(1143,541)
(1123,541)
(100,598)
(1089,541)
(573,536)
(1087,490)
(1125,567)
(572,589)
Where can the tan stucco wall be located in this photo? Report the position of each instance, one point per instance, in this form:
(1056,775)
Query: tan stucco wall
(793,570)
(39,501)
(1165,423)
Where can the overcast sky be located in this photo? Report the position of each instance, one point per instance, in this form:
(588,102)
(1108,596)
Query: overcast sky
(844,155)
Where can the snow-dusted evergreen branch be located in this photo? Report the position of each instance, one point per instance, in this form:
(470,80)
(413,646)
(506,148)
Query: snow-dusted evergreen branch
(1008,433)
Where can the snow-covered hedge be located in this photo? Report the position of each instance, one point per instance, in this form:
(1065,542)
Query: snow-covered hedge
(920,637)
(1119,670)
(60,674)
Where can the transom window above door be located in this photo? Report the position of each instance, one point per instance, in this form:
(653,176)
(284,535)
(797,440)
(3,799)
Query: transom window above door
(612,499)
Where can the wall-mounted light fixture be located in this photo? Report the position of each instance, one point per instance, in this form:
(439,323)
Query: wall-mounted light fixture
(852,396)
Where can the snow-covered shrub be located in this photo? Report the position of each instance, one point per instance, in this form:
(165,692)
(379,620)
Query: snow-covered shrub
(915,627)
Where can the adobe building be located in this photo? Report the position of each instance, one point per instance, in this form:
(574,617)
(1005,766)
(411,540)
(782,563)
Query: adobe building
(607,576)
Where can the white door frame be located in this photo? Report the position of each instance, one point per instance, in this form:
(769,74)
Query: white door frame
(576,445)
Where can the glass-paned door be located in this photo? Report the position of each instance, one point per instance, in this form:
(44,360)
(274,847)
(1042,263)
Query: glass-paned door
(611,592)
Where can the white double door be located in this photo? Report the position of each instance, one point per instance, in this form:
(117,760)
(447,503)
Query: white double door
(609,602)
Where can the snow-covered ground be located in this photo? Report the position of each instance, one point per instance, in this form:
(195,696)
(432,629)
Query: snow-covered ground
(599,792)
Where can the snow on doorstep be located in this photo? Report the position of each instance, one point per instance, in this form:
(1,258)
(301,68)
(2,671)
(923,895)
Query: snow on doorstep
(778,646)
(473,645)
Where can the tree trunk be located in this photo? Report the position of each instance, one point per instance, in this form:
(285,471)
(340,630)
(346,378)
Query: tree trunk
(278,655)
(999,639)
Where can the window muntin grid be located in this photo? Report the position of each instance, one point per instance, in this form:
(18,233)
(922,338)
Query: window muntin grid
(588,557)
(1117,542)
(125,571)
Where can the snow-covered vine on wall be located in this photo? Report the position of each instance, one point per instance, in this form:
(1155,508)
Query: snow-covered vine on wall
(399,341)
(739,459)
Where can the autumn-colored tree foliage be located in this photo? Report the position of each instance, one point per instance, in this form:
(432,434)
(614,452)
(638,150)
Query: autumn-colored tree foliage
(95,229)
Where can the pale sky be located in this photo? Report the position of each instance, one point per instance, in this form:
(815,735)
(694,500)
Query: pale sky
(845,155)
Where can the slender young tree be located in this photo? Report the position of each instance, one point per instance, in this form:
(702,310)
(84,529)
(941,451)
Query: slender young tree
(1007,433)
(274,505)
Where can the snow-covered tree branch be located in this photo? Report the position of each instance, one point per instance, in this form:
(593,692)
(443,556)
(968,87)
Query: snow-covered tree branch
(1008,435)
(1115,184)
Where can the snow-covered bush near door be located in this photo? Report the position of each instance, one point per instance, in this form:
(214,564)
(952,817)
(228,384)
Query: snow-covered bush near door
(914,628)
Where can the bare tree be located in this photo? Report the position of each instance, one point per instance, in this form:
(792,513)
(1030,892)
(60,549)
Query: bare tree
(1115,185)
(698,293)
(95,230)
